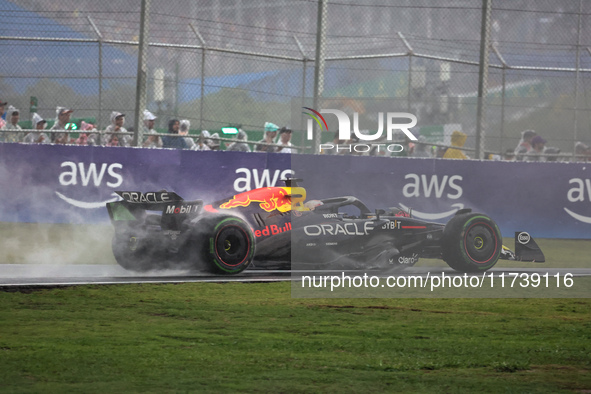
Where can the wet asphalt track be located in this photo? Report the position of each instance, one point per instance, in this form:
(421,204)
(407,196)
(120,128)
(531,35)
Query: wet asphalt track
(31,275)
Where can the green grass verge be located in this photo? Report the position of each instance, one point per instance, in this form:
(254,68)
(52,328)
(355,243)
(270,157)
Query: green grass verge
(91,244)
(256,338)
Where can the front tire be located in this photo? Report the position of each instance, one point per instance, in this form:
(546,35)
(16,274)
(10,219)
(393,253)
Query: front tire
(227,244)
(471,243)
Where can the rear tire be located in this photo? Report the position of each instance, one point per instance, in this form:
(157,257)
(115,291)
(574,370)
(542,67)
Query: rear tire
(471,243)
(226,244)
(135,252)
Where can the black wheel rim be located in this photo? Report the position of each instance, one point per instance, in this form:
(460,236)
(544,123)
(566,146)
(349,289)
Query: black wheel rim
(232,245)
(481,242)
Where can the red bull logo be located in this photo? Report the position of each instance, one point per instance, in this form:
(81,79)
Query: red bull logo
(272,230)
(269,199)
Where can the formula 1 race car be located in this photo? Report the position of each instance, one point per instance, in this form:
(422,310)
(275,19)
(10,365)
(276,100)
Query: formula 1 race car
(273,227)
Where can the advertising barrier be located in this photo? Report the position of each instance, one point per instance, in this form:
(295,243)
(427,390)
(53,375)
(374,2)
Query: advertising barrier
(71,184)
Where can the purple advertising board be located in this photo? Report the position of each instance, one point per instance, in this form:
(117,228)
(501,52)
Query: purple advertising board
(71,184)
(551,200)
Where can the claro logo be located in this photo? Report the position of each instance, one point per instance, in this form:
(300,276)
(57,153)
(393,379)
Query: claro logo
(438,186)
(580,191)
(93,175)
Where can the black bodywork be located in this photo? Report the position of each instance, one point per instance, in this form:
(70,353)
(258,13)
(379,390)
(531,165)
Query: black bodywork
(275,227)
(344,231)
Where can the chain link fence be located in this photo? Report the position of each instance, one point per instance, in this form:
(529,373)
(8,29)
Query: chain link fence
(244,62)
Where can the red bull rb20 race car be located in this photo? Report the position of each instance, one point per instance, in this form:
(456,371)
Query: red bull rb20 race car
(275,227)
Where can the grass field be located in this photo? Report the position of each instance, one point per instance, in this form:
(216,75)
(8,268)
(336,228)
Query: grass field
(256,338)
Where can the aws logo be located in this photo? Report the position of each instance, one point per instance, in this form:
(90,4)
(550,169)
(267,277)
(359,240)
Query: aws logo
(253,179)
(93,175)
(445,186)
(579,192)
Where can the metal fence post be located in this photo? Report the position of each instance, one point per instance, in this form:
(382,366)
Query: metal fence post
(482,77)
(577,67)
(304,72)
(100,72)
(410,53)
(176,88)
(142,71)
(319,63)
(202,99)
(409,93)
(503,87)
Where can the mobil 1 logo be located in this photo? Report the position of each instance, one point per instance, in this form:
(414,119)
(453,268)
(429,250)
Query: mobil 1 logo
(181,209)
(173,215)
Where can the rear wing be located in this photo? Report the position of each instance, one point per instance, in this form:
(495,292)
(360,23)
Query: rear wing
(149,200)
(134,205)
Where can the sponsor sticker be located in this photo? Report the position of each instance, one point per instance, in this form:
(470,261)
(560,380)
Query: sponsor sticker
(523,238)
(181,209)
(272,229)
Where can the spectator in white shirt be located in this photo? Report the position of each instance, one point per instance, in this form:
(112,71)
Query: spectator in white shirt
(285,140)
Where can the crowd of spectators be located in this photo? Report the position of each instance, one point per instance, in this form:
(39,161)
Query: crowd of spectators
(115,134)
(531,147)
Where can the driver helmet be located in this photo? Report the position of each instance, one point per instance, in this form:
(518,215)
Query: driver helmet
(313,204)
